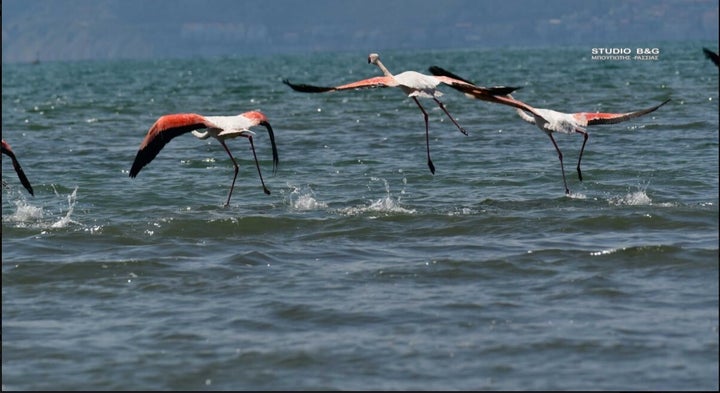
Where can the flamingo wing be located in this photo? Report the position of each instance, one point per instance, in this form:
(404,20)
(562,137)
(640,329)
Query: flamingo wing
(612,118)
(459,82)
(18,169)
(379,81)
(438,71)
(165,129)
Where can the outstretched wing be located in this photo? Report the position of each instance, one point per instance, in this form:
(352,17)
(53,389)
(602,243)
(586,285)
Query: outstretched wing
(380,81)
(438,71)
(494,90)
(612,118)
(163,131)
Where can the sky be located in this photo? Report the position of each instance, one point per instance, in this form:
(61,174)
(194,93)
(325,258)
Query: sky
(68,30)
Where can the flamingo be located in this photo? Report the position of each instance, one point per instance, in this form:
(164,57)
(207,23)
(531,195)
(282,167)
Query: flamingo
(550,121)
(712,56)
(168,127)
(6,149)
(412,83)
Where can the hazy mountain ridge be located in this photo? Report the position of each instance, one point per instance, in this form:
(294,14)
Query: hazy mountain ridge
(109,29)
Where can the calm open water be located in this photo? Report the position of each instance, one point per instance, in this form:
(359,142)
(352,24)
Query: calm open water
(362,270)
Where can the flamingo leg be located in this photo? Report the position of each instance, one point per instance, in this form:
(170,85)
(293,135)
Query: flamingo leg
(442,106)
(427,136)
(585,138)
(236,170)
(562,167)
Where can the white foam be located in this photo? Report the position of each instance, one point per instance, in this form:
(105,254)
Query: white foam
(66,220)
(637,198)
(308,202)
(31,216)
(387,204)
(25,212)
(303,199)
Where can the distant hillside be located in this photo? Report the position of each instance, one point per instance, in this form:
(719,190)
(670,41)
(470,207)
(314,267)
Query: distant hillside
(110,29)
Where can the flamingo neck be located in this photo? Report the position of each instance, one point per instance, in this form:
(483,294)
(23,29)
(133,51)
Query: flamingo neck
(525,116)
(382,68)
(201,135)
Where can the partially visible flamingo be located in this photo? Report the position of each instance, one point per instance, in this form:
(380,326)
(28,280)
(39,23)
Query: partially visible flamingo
(712,56)
(6,149)
(412,83)
(550,121)
(219,127)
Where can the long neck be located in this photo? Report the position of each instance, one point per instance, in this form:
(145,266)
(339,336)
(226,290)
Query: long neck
(519,109)
(382,68)
(523,115)
(201,135)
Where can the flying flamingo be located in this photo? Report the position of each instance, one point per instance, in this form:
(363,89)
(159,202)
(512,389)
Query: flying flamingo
(219,127)
(18,169)
(550,121)
(412,83)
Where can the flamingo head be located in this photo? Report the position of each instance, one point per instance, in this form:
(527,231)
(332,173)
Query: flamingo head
(373,58)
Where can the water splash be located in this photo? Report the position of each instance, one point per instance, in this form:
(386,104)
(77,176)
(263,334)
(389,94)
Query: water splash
(303,199)
(634,198)
(387,204)
(66,220)
(637,198)
(27,215)
(26,212)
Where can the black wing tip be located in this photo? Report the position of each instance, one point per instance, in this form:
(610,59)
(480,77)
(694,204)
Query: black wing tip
(137,166)
(292,85)
(18,168)
(29,188)
(712,56)
(303,88)
(661,104)
(494,90)
(25,182)
(139,163)
(439,71)
(435,70)
(503,90)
